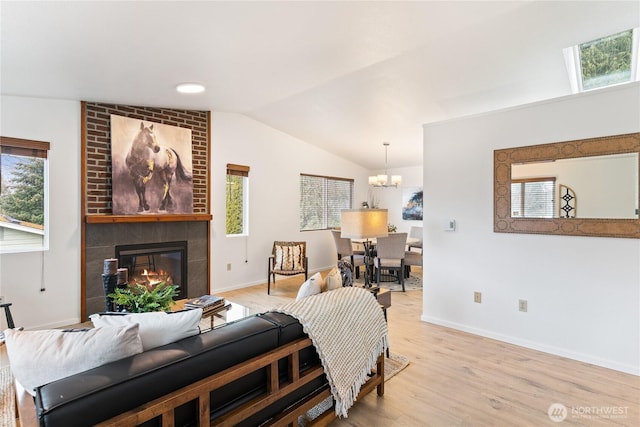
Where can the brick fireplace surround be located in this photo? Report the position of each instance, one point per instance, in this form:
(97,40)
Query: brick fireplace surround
(101,231)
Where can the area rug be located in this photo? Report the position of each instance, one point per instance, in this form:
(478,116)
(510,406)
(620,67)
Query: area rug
(392,366)
(7,398)
(411,283)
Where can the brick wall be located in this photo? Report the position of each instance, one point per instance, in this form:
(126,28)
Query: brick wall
(98,150)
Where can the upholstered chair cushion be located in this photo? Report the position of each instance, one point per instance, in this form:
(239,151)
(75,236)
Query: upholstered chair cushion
(289,257)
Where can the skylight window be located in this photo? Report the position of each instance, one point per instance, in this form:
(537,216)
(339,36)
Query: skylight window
(603,62)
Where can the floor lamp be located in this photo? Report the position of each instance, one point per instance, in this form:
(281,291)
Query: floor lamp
(365,224)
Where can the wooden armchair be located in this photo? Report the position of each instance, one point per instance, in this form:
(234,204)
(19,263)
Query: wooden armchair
(287,259)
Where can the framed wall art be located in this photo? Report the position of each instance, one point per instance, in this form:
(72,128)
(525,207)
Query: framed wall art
(412,204)
(151,166)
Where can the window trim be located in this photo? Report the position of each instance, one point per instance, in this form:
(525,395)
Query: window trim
(24,147)
(237,170)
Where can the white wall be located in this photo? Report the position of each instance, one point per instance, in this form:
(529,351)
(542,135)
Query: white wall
(276,161)
(391,198)
(583,292)
(57,269)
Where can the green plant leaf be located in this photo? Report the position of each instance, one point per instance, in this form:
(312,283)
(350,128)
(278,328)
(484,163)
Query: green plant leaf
(138,298)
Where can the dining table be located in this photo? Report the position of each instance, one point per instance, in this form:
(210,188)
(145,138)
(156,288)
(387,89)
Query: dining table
(372,241)
(368,246)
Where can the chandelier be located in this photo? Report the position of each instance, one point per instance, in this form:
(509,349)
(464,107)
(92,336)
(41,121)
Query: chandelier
(385,180)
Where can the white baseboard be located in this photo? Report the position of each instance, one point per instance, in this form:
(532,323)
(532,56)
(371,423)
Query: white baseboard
(605,363)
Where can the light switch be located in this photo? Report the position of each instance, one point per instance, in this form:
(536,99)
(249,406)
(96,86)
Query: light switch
(450,225)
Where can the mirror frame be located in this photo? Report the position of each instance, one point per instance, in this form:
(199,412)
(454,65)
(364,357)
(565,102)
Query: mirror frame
(595,227)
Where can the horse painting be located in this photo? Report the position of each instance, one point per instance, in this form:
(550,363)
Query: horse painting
(146,160)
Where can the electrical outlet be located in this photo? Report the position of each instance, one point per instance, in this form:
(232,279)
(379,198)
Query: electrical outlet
(477,297)
(229,267)
(522,305)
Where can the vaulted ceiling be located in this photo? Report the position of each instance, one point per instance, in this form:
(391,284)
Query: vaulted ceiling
(345,76)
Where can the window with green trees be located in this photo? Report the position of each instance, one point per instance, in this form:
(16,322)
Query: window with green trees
(321,200)
(23,195)
(237,199)
(606,61)
(603,62)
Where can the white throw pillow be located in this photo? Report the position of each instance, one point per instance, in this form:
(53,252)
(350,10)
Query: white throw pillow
(310,287)
(41,357)
(156,328)
(333,279)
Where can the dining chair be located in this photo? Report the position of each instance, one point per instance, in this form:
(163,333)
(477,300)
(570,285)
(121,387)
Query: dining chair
(415,233)
(344,249)
(411,258)
(390,253)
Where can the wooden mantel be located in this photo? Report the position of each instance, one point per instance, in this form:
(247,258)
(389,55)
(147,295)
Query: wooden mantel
(112,219)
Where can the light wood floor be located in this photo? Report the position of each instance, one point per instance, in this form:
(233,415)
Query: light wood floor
(459,379)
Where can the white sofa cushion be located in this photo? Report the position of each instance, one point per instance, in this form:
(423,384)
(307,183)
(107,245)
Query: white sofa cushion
(156,328)
(41,357)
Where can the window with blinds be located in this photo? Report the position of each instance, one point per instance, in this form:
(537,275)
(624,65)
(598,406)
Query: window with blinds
(237,192)
(322,199)
(23,195)
(533,198)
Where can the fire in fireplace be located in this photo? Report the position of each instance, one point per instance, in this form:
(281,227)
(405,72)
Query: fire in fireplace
(152,263)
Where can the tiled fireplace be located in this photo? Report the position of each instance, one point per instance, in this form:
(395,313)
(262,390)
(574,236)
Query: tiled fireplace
(160,246)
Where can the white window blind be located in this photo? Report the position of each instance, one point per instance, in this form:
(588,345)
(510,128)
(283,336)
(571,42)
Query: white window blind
(322,199)
(533,198)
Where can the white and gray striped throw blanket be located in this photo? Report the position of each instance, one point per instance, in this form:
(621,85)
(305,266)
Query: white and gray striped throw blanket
(349,332)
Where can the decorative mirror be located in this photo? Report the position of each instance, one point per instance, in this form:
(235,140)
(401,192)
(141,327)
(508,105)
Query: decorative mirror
(537,188)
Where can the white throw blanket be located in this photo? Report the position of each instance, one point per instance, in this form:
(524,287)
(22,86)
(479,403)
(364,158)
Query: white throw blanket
(349,332)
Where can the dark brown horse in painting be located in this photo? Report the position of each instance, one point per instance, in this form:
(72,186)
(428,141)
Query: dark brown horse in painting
(147,159)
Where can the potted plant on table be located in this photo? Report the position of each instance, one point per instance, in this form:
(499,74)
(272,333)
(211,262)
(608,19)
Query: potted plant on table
(139,298)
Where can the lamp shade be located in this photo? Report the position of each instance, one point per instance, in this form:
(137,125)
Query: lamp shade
(364,223)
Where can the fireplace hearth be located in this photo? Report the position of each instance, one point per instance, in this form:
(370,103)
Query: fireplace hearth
(152,263)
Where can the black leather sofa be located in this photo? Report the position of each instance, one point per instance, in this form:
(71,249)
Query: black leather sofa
(93,396)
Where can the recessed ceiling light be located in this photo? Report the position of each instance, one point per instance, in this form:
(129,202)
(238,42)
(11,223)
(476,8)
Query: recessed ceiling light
(190,88)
